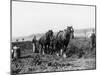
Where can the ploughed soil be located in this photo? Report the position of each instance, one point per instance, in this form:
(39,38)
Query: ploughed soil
(80,56)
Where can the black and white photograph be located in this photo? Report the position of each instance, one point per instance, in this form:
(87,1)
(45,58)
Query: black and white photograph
(52,37)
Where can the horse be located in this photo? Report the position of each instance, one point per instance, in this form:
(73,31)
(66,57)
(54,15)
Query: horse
(62,40)
(44,41)
(33,43)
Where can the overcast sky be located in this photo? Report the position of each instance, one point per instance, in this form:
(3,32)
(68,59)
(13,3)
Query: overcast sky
(30,18)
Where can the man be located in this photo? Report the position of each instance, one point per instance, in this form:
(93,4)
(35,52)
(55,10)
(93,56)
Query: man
(93,39)
(33,43)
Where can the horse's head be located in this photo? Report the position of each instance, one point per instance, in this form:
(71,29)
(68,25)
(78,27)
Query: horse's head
(69,31)
(49,34)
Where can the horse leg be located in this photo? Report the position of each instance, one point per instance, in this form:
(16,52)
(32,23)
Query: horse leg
(52,49)
(47,49)
(61,52)
(42,49)
(64,52)
(33,47)
(57,50)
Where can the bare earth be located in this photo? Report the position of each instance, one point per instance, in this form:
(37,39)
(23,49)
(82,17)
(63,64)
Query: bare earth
(35,62)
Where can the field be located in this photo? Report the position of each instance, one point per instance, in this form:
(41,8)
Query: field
(80,57)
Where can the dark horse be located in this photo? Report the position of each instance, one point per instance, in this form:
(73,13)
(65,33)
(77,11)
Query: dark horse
(44,41)
(62,40)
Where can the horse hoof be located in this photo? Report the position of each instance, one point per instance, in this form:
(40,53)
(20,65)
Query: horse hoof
(57,54)
(64,55)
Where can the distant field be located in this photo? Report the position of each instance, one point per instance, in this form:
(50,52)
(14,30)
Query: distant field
(77,33)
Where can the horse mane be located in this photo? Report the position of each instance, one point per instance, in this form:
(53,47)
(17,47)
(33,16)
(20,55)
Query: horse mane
(58,33)
(47,33)
(34,39)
